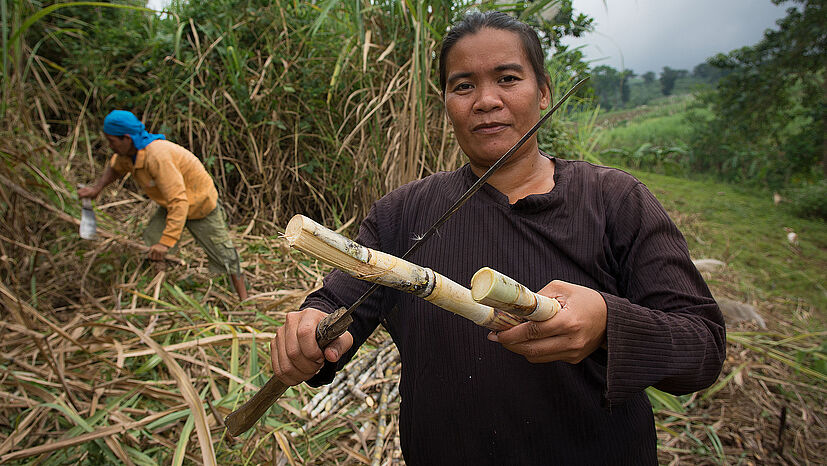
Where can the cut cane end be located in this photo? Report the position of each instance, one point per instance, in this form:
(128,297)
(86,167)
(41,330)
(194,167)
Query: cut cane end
(294,228)
(481,283)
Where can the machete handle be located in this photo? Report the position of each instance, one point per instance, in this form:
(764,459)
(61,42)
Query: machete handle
(243,418)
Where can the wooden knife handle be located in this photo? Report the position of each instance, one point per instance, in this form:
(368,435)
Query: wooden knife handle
(243,418)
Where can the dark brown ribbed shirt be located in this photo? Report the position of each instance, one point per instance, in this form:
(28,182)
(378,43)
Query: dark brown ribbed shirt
(466,400)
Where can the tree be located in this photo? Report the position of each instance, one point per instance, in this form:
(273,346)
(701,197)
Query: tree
(607,82)
(625,76)
(611,86)
(772,105)
(648,77)
(708,72)
(668,77)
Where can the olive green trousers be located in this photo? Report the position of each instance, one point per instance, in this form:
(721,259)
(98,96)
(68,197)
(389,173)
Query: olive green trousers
(209,232)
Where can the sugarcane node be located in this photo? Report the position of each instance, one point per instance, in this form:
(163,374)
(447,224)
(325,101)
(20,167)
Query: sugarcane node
(243,418)
(332,326)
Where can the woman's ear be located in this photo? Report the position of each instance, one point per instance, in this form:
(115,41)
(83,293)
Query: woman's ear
(545,94)
(445,108)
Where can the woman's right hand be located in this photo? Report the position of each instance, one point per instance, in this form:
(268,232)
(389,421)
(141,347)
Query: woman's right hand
(88,191)
(294,353)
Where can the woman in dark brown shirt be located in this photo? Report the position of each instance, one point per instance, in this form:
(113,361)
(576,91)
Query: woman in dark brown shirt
(570,390)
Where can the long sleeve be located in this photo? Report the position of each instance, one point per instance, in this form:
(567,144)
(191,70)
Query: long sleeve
(667,330)
(170,183)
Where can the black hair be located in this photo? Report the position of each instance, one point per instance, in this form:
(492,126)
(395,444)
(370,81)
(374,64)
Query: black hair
(473,22)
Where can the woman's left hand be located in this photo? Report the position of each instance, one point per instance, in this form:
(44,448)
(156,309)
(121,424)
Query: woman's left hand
(158,252)
(571,335)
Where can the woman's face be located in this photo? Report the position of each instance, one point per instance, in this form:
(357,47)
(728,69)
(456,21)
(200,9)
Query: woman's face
(492,96)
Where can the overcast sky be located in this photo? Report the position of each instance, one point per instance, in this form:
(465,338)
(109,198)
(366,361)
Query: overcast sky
(646,35)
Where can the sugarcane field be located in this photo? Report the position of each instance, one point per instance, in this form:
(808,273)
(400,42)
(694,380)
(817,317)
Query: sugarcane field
(270,232)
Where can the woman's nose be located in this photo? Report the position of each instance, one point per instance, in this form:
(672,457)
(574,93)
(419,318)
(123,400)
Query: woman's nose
(488,99)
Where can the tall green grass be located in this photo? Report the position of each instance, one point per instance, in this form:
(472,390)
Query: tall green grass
(661,131)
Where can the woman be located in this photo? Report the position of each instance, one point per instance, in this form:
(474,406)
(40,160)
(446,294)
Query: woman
(570,390)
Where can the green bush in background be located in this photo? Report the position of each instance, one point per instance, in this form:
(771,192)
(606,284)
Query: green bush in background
(810,200)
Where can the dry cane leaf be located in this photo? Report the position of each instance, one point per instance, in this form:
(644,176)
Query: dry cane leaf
(739,378)
(205,342)
(103,432)
(189,394)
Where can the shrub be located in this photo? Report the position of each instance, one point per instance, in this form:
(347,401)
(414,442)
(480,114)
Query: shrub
(667,160)
(810,200)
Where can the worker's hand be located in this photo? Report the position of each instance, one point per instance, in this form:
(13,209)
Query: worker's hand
(571,335)
(157,252)
(294,352)
(88,191)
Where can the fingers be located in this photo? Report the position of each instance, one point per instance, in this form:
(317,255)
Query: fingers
(529,331)
(571,335)
(294,352)
(88,191)
(560,348)
(540,345)
(338,347)
(157,252)
(307,348)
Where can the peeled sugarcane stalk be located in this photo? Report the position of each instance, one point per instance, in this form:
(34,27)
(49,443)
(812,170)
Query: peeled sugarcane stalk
(378,267)
(494,289)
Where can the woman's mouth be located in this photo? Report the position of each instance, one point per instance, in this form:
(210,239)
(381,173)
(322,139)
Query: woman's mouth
(489,128)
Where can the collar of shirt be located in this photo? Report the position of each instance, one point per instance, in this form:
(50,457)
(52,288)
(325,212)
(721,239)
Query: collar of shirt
(138,161)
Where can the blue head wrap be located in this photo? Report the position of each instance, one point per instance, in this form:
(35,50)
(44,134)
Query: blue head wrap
(121,122)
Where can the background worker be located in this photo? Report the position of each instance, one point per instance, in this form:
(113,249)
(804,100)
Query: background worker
(177,181)
(570,390)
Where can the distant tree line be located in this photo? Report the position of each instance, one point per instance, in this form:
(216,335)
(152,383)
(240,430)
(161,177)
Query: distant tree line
(623,88)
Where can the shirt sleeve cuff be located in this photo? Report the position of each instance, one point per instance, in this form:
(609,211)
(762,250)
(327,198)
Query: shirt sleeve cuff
(623,361)
(168,241)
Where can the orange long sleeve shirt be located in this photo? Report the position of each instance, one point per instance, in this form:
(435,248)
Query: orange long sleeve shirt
(173,177)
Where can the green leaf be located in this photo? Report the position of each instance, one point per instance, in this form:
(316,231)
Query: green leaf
(665,400)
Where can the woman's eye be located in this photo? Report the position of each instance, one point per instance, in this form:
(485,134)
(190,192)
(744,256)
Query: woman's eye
(462,87)
(509,79)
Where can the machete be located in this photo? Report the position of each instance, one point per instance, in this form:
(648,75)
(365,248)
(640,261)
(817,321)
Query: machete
(336,323)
